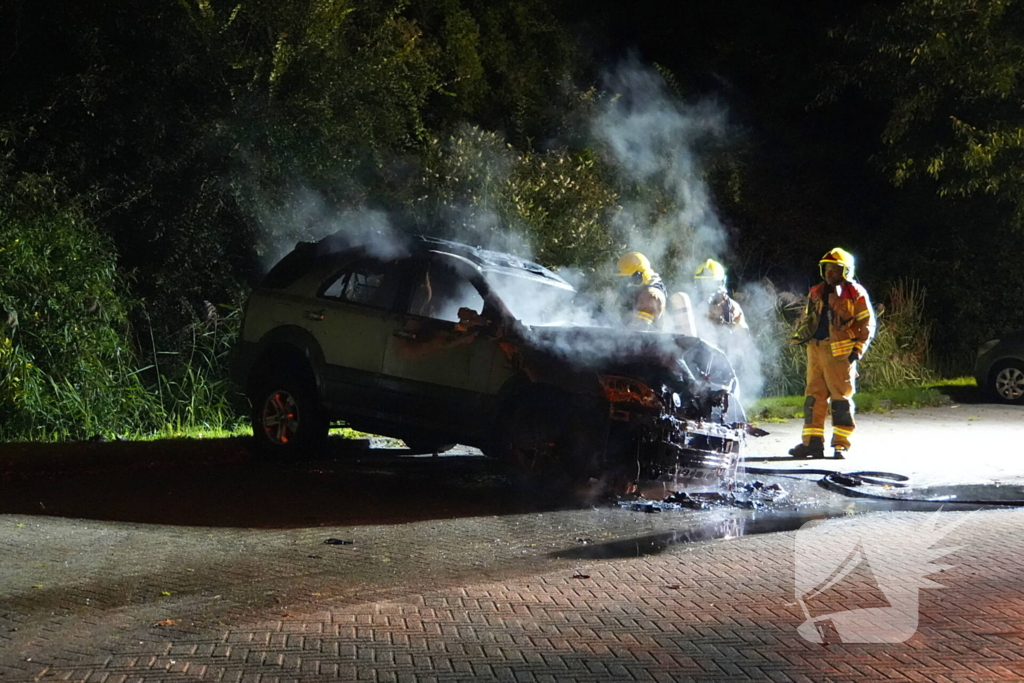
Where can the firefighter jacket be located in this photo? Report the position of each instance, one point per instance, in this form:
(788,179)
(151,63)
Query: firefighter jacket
(724,310)
(851,323)
(645,303)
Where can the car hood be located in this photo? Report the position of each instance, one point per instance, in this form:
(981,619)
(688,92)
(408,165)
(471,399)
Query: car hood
(687,360)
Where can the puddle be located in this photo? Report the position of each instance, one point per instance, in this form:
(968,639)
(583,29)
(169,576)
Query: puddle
(740,523)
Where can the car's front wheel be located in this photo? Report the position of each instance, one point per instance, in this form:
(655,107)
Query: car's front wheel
(1006,382)
(550,442)
(287,418)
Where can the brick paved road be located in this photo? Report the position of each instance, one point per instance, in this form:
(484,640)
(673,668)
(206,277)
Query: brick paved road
(482,598)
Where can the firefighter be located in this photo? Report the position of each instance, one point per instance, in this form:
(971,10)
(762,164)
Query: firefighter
(837,326)
(644,295)
(721,308)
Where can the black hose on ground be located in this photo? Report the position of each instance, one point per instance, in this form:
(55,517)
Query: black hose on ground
(855,478)
(846,483)
(837,484)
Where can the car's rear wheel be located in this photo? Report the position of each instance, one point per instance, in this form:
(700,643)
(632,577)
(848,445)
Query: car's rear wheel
(1006,382)
(287,418)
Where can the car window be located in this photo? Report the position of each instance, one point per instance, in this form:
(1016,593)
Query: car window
(441,292)
(365,282)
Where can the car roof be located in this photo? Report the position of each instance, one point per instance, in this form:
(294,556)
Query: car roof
(486,260)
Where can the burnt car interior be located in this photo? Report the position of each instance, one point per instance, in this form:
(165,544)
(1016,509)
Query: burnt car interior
(441,292)
(366,282)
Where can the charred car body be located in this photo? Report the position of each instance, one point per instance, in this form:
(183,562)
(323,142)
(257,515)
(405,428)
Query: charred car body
(439,343)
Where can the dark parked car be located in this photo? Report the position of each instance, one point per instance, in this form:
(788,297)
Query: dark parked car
(1000,368)
(438,343)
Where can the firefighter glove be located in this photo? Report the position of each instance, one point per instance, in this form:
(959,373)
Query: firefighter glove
(854,356)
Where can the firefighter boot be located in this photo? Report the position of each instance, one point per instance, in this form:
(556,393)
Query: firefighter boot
(814,449)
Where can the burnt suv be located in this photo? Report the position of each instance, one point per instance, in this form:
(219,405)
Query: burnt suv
(437,343)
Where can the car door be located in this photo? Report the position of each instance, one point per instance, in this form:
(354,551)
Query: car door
(353,318)
(436,369)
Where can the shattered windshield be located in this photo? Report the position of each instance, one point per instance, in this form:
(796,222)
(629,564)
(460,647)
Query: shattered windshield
(538,302)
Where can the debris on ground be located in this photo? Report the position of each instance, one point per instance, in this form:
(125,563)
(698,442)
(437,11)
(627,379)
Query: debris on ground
(635,503)
(338,541)
(750,495)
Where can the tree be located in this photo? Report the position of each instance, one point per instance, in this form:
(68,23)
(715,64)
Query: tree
(951,76)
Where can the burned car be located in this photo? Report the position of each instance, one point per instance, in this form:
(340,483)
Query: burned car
(439,343)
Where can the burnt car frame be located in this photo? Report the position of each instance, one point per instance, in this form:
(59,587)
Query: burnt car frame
(438,343)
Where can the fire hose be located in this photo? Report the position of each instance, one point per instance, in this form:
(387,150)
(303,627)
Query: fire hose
(847,478)
(849,483)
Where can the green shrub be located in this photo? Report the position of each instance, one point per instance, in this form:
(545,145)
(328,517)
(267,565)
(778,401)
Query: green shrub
(192,381)
(474,186)
(67,369)
(900,352)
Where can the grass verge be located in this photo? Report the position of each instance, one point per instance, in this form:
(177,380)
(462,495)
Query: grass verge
(943,392)
(241,429)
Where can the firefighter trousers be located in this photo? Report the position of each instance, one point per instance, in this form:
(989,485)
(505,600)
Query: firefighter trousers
(830,382)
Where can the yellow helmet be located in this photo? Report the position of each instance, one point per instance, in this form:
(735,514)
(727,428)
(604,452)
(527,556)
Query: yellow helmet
(841,257)
(710,270)
(635,265)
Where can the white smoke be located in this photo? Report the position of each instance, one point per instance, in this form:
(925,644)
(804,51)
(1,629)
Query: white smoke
(657,145)
(653,141)
(305,216)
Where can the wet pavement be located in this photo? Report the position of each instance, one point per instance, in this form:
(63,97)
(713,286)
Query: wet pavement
(377,565)
(958,444)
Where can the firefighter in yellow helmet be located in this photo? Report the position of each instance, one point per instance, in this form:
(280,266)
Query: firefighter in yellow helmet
(721,308)
(644,293)
(837,326)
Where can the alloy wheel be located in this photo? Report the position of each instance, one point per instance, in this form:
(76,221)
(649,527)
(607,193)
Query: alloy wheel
(280,417)
(1010,383)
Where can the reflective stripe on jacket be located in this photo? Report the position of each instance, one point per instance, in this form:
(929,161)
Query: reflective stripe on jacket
(852,325)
